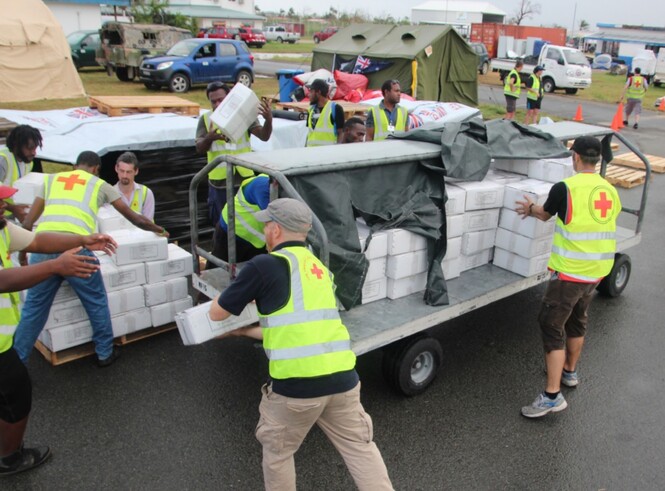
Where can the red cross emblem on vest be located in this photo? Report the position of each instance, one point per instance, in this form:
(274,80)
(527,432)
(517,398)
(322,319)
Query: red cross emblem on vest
(638,83)
(316,271)
(603,204)
(71,181)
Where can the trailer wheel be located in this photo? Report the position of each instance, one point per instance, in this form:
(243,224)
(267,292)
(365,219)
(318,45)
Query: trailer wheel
(571,91)
(410,366)
(615,282)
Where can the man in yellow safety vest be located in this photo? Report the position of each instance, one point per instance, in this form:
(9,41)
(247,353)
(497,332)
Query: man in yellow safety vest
(16,161)
(69,204)
(635,89)
(15,385)
(388,116)
(325,118)
(209,140)
(137,196)
(512,89)
(312,367)
(534,95)
(583,251)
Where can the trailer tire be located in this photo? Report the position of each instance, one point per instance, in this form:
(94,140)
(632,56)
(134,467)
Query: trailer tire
(548,85)
(571,91)
(615,282)
(410,366)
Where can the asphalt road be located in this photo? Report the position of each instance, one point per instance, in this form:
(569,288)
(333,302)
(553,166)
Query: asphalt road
(168,417)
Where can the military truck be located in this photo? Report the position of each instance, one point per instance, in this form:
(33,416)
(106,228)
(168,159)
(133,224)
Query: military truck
(124,46)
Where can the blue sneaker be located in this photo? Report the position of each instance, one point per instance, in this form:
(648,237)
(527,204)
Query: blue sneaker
(543,405)
(570,379)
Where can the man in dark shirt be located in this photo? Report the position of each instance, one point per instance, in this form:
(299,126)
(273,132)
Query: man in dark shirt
(312,368)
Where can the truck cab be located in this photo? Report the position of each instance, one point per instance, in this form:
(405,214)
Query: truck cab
(565,68)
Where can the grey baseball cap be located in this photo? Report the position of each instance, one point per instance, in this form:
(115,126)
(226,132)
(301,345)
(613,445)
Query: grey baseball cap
(290,213)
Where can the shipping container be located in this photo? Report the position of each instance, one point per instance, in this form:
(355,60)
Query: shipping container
(488,34)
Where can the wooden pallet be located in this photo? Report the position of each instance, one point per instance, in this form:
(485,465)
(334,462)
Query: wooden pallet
(623,176)
(125,105)
(631,160)
(56,358)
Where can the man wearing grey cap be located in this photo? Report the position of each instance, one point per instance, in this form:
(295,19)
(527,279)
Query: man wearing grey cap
(312,368)
(587,207)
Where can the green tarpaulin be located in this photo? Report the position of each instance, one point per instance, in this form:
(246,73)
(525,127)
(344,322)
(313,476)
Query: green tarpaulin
(431,62)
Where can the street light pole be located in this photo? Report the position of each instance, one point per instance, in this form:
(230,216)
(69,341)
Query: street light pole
(572,31)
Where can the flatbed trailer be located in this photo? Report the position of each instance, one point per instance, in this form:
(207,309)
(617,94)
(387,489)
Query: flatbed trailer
(411,357)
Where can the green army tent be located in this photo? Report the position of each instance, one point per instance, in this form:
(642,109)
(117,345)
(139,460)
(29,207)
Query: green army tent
(432,62)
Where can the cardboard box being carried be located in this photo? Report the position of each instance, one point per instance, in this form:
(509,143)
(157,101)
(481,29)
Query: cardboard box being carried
(138,246)
(237,112)
(109,220)
(28,187)
(195,325)
(537,190)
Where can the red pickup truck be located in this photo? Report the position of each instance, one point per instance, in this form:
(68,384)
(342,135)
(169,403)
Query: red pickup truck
(219,32)
(325,34)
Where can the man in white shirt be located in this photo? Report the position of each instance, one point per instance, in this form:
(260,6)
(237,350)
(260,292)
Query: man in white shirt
(137,196)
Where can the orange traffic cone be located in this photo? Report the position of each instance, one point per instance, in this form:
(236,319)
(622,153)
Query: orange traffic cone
(661,107)
(578,114)
(616,122)
(619,116)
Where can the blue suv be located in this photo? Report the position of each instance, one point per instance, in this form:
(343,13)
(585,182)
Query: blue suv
(199,61)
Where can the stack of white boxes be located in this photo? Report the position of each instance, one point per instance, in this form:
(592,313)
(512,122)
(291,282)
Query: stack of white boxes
(452,263)
(146,282)
(376,252)
(481,217)
(407,263)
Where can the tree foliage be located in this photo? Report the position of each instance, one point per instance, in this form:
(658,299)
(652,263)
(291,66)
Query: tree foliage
(154,12)
(526,9)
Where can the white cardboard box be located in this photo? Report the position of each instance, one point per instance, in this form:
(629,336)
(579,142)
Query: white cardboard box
(529,226)
(29,186)
(377,269)
(64,293)
(165,313)
(138,246)
(454,226)
(374,290)
(195,326)
(408,264)
(109,220)
(456,200)
(401,241)
(517,166)
(452,268)
(537,190)
(378,246)
(398,288)
(520,265)
(178,263)
(503,177)
(473,242)
(481,220)
(237,112)
(454,248)
(551,170)
(132,321)
(481,195)
(522,245)
(122,301)
(120,277)
(475,260)
(165,291)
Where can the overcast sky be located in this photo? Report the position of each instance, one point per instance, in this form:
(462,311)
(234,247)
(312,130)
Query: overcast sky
(560,12)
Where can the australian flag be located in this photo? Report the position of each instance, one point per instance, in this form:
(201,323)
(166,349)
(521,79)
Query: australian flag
(366,65)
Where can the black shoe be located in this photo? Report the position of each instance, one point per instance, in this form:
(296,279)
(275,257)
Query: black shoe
(23,460)
(106,362)
(635,126)
(625,122)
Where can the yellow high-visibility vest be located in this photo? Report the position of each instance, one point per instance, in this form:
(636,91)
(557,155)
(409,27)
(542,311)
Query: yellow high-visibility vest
(70,202)
(585,241)
(324,132)
(518,83)
(636,89)
(220,147)
(381,122)
(13,170)
(247,227)
(9,302)
(535,81)
(306,337)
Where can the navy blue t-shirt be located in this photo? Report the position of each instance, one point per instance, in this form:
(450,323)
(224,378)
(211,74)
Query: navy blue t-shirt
(266,280)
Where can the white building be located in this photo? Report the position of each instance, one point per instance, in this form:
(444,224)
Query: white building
(458,13)
(80,15)
(232,13)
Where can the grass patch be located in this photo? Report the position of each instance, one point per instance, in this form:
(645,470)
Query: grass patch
(302,46)
(605,87)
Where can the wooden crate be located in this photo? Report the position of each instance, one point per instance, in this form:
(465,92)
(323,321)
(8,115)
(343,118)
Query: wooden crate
(56,358)
(623,176)
(125,105)
(631,160)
